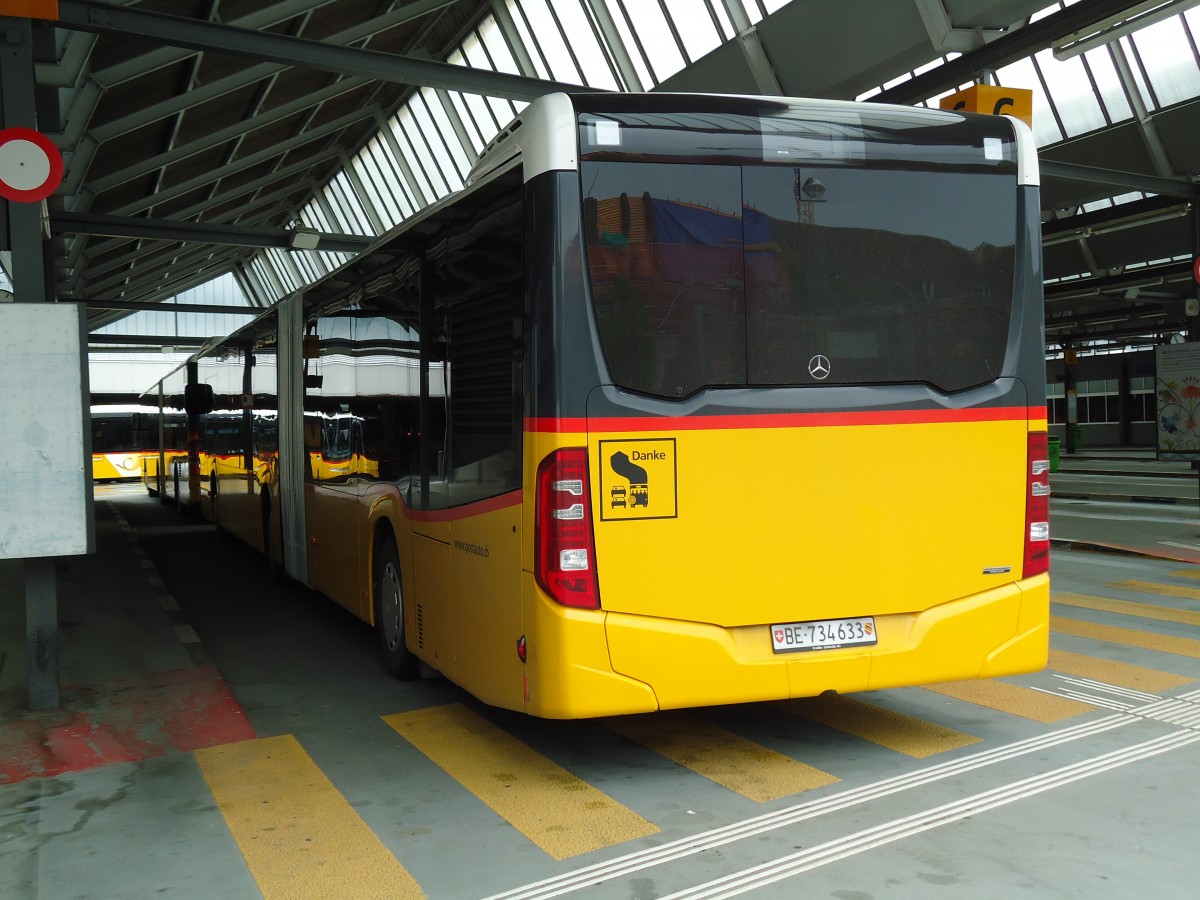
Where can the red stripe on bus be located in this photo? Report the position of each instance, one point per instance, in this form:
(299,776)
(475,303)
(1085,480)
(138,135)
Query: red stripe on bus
(790,420)
(492,504)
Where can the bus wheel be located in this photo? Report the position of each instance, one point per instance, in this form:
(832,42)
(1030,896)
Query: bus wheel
(215,506)
(389,612)
(275,566)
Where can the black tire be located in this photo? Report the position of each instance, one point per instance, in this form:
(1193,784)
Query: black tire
(388,599)
(275,567)
(215,506)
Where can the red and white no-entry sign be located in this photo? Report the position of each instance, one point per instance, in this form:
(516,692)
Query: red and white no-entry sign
(31,168)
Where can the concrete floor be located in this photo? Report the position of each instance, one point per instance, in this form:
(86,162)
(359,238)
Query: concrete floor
(224,737)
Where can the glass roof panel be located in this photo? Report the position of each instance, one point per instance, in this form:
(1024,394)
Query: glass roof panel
(591,59)
(223,290)
(415,161)
(665,58)
(621,20)
(1169,60)
(550,42)
(434,113)
(695,26)
(1069,89)
(469,123)
(499,54)
(525,37)
(434,161)
(1108,83)
(349,204)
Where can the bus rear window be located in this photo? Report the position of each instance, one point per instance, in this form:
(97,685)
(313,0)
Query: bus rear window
(709,275)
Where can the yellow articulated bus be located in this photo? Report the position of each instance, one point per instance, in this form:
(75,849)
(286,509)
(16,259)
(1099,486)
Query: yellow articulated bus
(682,400)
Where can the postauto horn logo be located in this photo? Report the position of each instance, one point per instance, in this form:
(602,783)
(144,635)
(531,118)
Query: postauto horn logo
(638,479)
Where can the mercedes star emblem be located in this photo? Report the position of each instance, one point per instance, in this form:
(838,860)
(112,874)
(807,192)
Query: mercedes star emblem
(818,367)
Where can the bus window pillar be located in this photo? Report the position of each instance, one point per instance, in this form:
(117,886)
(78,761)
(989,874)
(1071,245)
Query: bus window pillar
(192,507)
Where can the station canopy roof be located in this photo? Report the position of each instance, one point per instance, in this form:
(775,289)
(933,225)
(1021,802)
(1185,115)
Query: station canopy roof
(228,152)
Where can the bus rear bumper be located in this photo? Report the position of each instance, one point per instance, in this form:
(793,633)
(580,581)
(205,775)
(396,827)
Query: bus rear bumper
(1004,631)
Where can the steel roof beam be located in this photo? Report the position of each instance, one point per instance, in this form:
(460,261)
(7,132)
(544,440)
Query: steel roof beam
(1141,277)
(944,35)
(164,287)
(1014,45)
(1134,214)
(148,340)
(272,16)
(329,129)
(1151,331)
(89,15)
(172,230)
(154,264)
(222,309)
(1151,184)
(219,88)
(232,132)
(197,209)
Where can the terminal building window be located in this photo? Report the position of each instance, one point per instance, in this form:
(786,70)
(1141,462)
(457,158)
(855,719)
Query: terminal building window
(1099,401)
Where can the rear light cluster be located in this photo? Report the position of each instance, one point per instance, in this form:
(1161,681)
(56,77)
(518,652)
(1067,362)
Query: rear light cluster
(1037,507)
(565,553)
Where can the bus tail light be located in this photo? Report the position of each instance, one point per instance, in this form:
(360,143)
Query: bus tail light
(565,551)
(1037,506)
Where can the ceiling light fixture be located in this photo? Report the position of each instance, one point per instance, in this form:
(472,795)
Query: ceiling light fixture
(304,238)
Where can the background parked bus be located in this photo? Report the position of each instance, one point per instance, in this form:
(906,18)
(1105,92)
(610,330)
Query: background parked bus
(125,440)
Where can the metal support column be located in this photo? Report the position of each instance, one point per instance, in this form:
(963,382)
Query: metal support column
(1072,397)
(760,66)
(21,235)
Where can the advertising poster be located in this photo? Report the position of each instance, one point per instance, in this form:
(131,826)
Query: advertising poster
(1178,390)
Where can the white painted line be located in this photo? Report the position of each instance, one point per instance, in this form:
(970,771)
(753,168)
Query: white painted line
(1081,697)
(779,869)
(654,856)
(169,603)
(187,634)
(1104,686)
(1181,546)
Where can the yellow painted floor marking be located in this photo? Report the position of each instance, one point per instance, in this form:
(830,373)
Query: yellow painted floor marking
(559,812)
(733,762)
(1193,572)
(1121,674)
(1155,587)
(1012,699)
(896,731)
(1129,608)
(1164,643)
(299,835)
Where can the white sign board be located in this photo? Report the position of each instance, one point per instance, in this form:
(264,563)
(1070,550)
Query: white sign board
(1177,385)
(45,478)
